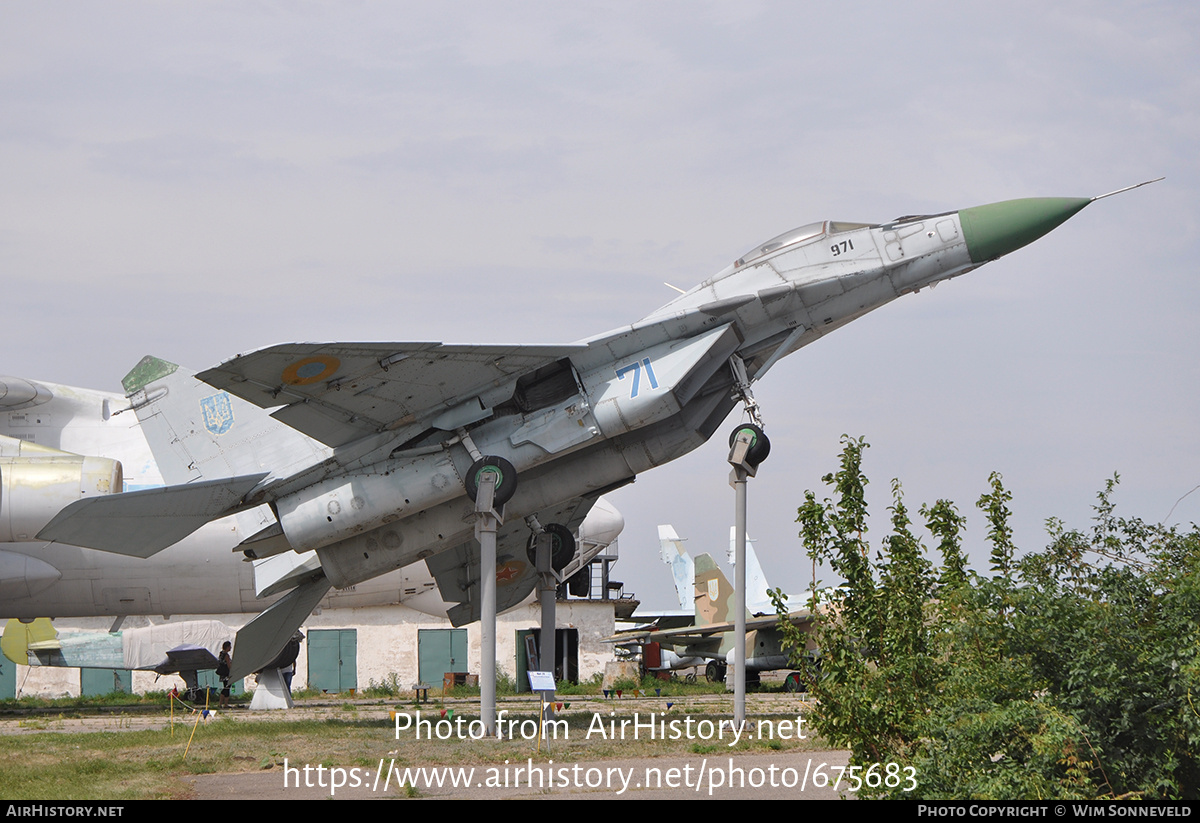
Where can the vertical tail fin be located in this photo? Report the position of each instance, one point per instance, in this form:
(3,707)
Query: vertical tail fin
(682,569)
(758,596)
(715,600)
(198,432)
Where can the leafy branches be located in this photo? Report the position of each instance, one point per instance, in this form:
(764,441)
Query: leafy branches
(875,654)
(1073,672)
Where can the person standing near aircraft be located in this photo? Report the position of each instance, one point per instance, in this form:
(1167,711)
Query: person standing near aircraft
(224,664)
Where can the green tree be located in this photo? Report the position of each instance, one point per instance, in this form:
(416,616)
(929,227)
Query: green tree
(1071,672)
(876,660)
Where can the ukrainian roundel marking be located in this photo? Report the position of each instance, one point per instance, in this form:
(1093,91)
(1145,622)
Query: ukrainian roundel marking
(311,370)
(217,412)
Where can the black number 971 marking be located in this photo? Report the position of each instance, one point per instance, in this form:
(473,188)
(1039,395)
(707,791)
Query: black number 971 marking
(842,247)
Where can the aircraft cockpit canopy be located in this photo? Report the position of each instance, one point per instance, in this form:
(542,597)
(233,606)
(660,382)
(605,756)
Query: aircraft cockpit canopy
(788,238)
(838,226)
(794,236)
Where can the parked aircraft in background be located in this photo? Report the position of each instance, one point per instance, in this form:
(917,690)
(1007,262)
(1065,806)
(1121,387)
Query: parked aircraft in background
(673,553)
(371,453)
(758,590)
(184,648)
(683,575)
(683,570)
(709,641)
(674,652)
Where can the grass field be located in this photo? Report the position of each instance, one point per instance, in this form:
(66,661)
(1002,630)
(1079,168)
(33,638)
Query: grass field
(74,750)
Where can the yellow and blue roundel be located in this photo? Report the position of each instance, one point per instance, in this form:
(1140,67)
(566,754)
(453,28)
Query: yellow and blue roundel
(217,412)
(310,370)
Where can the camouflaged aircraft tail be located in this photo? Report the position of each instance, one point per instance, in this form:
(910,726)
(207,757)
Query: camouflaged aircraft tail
(715,601)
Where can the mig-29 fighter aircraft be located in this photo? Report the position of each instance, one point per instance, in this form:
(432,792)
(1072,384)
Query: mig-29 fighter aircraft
(372,453)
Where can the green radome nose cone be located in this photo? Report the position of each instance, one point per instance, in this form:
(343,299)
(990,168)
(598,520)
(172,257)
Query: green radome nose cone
(994,230)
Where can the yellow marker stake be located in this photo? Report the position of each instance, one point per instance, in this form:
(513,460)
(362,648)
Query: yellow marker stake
(197,723)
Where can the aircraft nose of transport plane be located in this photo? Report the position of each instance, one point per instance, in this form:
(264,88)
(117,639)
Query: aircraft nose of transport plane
(996,229)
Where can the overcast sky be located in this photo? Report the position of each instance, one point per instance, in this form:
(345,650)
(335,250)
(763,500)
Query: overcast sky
(194,180)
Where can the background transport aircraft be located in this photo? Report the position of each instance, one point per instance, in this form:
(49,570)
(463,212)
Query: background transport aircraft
(60,443)
(371,453)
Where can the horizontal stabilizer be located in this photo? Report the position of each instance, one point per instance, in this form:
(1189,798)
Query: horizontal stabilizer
(263,638)
(142,523)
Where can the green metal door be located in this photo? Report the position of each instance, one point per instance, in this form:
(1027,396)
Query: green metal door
(97,682)
(8,678)
(208,679)
(440,651)
(333,659)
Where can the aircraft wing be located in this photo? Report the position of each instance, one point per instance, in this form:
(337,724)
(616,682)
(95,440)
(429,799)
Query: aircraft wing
(456,570)
(651,621)
(339,392)
(689,635)
(686,642)
(143,523)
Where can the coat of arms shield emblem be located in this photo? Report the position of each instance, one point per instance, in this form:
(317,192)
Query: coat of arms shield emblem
(218,413)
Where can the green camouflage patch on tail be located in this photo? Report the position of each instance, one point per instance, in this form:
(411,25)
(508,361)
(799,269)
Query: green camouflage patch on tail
(148,369)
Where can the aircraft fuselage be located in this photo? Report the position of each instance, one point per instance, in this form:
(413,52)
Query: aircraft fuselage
(369,454)
(634,398)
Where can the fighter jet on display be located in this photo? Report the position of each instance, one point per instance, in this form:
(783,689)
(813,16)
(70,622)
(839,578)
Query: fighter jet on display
(372,453)
(758,590)
(676,557)
(704,638)
(709,642)
(60,443)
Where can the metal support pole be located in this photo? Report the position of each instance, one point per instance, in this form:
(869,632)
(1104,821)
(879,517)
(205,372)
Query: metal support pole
(487,522)
(548,589)
(739,622)
(742,470)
